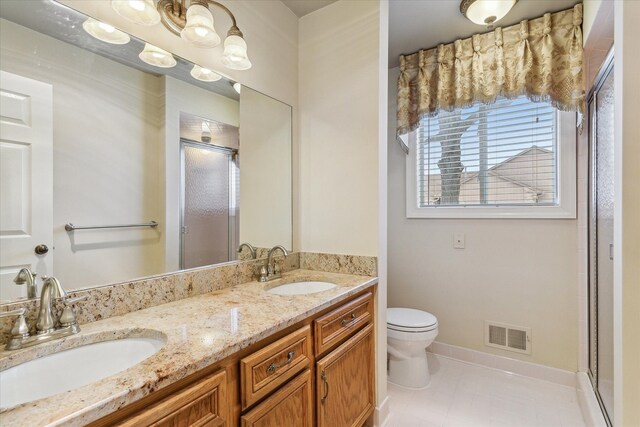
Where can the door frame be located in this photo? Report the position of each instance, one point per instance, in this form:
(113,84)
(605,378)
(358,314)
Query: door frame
(201,145)
(592,291)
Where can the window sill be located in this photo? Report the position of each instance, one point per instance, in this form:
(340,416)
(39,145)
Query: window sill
(493,212)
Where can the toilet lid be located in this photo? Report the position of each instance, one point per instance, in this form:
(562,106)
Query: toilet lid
(410,319)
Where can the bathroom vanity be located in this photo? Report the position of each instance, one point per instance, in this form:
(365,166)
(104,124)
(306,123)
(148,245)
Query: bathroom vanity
(238,356)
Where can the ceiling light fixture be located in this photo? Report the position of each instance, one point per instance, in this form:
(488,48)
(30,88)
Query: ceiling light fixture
(486,12)
(157,57)
(105,32)
(204,74)
(192,22)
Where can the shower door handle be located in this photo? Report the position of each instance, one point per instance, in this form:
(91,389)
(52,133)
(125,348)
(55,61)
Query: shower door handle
(611,251)
(184,230)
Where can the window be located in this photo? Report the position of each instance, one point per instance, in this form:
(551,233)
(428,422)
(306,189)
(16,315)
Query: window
(513,158)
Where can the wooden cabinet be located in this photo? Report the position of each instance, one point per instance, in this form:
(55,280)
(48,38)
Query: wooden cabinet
(292,405)
(345,382)
(278,382)
(201,404)
(342,322)
(270,367)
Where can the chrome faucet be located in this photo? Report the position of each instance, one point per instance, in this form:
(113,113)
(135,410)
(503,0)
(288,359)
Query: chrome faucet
(250,247)
(51,288)
(28,277)
(271,272)
(47,327)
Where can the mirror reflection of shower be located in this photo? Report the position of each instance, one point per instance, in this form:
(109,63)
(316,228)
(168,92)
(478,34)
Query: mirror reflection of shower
(210,184)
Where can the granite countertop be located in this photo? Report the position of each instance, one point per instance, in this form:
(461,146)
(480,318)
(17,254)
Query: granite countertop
(199,332)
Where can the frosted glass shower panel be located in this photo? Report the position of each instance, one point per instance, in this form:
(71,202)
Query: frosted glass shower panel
(206,221)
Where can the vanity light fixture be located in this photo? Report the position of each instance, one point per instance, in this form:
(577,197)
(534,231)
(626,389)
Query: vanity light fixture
(157,57)
(105,32)
(237,86)
(486,12)
(142,12)
(193,23)
(204,74)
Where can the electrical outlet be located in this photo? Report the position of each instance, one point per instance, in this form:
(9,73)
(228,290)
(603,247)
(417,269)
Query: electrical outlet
(458,240)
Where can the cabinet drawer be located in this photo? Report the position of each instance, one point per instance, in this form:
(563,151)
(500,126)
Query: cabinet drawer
(204,403)
(292,405)
(269,368)
(339,324)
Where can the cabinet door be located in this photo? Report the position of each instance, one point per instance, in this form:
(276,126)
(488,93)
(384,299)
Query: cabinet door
(345,382)
(201,404)
(289,406)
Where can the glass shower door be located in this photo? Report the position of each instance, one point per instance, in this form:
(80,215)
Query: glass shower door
(206,213)
(601,211)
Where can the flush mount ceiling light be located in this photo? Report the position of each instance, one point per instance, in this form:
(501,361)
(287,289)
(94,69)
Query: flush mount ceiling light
(192,21)
(105,32)
(204,74)
(486,12)
(157,57)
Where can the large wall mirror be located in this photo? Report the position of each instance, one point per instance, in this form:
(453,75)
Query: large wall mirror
(177,168)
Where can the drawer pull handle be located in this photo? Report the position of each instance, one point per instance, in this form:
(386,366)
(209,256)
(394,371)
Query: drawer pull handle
(323,376)
(274,367)
(346,321)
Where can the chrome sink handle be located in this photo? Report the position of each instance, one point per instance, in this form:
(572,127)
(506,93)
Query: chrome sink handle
(20,330)
(68,316)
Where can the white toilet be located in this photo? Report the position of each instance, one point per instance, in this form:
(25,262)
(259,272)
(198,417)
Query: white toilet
(409,333)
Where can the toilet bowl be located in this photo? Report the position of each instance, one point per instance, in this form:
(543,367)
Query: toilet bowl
(409,333)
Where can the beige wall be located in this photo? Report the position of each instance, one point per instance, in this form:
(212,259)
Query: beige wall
(106,145)
(522,272)
(627,217)
(338,128)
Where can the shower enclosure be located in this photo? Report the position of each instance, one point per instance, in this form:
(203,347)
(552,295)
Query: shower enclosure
(209,220)
(601,207)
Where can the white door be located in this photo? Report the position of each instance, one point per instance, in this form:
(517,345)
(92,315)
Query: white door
(26,173)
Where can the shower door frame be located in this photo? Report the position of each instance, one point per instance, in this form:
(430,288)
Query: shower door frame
(230,152)
(606,69)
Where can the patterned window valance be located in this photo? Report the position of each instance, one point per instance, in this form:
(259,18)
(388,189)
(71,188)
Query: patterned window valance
(541,58)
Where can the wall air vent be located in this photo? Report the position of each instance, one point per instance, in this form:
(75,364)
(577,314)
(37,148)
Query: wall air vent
(507,337)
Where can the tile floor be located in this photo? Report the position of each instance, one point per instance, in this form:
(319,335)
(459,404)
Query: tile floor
(466,395)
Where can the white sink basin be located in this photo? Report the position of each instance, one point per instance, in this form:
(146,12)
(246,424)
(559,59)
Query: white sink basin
(301,288)
(73,368)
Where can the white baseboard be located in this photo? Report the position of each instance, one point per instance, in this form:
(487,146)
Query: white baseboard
(588,402)
(528,369)
(380,415)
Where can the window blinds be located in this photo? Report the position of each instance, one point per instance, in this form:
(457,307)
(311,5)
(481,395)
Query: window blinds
(499,154)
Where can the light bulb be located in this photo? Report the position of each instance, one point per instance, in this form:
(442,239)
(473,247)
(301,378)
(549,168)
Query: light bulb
(105,32)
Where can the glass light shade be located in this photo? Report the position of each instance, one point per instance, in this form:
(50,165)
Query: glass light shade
(487,12)
(237,87)
(141,12)
(204,74)
(199,29)
(235,54)
(157,57)
(105,32)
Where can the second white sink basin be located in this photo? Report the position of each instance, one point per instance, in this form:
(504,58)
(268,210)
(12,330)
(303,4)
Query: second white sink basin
(301,288)
(73,368)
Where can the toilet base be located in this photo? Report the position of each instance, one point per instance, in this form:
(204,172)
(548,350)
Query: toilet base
(412,372)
